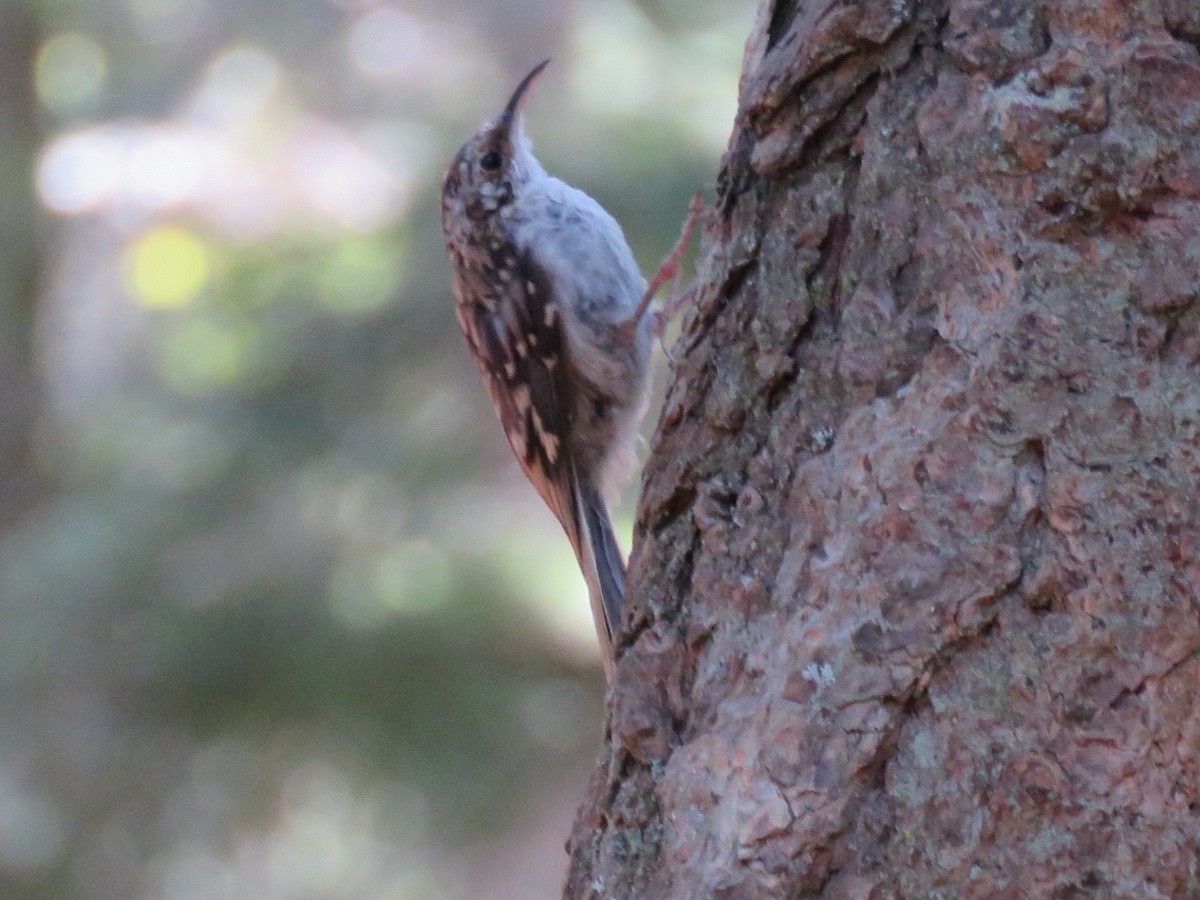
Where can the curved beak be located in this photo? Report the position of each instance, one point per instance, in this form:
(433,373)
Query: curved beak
(509,116)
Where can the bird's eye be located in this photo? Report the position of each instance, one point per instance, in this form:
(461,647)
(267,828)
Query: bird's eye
(490,161)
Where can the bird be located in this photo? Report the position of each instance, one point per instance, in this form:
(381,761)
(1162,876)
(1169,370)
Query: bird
(553,307)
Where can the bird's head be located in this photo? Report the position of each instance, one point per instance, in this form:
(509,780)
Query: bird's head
(493,164)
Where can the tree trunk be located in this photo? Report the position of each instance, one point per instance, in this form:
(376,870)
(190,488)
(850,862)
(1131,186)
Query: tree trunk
(20,229)
(914,605)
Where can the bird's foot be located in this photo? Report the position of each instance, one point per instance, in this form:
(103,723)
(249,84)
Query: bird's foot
(669,271)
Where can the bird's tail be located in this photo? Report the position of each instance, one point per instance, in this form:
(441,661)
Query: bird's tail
(603,568)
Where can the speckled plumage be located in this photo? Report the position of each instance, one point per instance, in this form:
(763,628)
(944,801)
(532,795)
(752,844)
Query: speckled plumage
(546,287)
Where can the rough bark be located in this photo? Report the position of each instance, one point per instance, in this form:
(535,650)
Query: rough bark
(914,605)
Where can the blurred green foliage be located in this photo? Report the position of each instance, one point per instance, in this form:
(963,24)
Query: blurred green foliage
(286,622)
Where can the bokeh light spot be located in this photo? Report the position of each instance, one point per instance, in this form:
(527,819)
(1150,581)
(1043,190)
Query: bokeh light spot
(342,178)
(201,356)
(169,165)
(167,267)
(359,276)
(239,84)
(385,42)
(70,69)
(79,172)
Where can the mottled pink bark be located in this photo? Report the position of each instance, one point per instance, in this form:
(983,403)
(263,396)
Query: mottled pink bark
(915,605)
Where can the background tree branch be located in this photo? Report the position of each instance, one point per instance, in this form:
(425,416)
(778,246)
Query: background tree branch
(20,229)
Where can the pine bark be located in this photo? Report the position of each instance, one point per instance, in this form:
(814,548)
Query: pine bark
(914,606)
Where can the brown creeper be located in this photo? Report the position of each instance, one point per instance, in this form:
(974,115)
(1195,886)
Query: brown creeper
(549,299)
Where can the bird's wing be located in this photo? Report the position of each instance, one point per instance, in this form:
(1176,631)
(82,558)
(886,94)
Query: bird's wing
(515,331)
